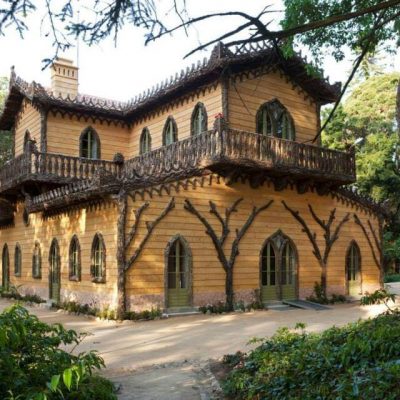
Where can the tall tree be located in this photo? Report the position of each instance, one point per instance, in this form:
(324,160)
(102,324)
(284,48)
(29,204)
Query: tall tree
(5,136)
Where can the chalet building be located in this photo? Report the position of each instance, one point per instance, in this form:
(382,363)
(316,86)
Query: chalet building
(208,187)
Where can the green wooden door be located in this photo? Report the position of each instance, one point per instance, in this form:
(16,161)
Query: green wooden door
(54,275)
(5,268)
(353,271)
(269,281)
(288,273)
(178,276)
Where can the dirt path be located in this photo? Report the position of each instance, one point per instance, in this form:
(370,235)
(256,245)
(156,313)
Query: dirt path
(167,359)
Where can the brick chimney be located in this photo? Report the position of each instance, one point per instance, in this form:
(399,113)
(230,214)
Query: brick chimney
(64,78)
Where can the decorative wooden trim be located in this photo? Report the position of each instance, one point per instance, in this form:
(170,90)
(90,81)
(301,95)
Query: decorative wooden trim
(77,277)
(377,257)
(227,261)
(330,239)
(167,250)
(150,227)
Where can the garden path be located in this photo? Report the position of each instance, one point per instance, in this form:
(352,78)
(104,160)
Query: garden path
(167,359)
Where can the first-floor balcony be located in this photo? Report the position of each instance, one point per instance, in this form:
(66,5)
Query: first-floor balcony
(225,152)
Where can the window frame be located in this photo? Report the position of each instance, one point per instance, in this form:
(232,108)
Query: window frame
(94,135)
(17,266)
(76,277)
(199,107)
(170,122)
(275,112)
(37,261)
(98,238)
(142,141)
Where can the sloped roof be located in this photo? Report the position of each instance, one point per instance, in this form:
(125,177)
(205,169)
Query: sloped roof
(221,59)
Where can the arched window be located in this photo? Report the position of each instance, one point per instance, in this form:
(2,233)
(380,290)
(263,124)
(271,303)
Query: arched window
(145,141)
(5,261)
(178,273)
(74,259)
(288,264)
(54,270)
(274,120)
(37,262)
(353,269)
(89,144)
(199,119)
(17,260)
(98,260)
(268,267)
(170,132)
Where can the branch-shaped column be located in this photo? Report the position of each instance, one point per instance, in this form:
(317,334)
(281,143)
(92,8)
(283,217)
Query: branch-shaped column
(125,241)
(227,261)
(329,236)
(377,257)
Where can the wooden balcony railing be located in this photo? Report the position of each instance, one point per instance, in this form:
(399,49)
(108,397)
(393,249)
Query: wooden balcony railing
(218,149)
(215,150)
(52,168)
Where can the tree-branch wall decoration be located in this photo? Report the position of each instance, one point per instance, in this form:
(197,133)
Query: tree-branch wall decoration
(378,258)
(125,241)
(227,261)
(329,236)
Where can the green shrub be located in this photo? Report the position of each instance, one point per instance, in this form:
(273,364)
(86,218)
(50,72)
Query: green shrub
(145,315)
(320,296)
(358,361)
(391,278)
(32,365)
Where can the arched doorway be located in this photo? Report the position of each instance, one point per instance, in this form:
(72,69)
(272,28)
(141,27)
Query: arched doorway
(278,269)
(54,271)
(178,273)
(353,270)
(5,264)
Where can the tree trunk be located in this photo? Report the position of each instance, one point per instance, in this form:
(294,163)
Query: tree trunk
(323,278)
(229,288)
(122,206)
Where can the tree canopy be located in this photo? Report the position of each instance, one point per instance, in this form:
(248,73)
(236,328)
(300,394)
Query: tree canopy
(5,136)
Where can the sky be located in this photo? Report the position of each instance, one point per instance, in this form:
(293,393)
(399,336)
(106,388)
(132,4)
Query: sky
(123,70)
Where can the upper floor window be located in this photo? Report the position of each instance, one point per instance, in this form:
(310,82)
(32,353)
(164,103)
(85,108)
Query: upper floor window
(170,132)
(98,267)
(37,262)
(145,141)
(274,120)
(89,144)
(17,260)
(199,119)
(27,139)
(74,260)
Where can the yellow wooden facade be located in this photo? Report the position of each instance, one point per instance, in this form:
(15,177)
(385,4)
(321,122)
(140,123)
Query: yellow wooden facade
(146,278)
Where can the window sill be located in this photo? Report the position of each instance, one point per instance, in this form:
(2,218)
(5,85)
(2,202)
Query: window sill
(99,280)
(17,274)
(74,279)
(37,276)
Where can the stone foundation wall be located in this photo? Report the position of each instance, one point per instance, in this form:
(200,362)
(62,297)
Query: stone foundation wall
(40,291)
(94,300)
(145,302)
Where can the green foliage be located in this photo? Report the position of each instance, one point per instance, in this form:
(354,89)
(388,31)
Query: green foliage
(13,293)
(108,313)
(32,365)
(6,139)
(217,308)
(380,296)
(320,296)
(335,38)
(358,361)
(392,278)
